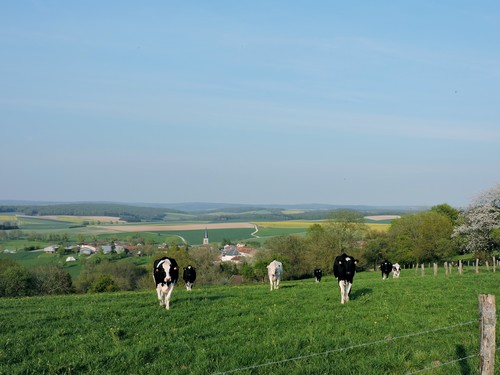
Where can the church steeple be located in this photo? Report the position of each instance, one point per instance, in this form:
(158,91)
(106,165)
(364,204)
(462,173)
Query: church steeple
(205,238)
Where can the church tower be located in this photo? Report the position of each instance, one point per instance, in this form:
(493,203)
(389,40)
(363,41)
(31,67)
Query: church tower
(205,238)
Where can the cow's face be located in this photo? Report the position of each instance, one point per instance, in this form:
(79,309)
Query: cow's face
(172,272)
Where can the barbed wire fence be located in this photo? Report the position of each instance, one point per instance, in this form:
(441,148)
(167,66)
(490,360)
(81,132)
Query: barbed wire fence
(357,346)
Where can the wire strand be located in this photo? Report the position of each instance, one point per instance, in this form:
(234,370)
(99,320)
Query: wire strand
(385,340)
(446,363)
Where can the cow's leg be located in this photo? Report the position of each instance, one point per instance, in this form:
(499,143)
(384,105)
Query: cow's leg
(347,290)
(342,288)
(271,281)
(277,283)
(159,294)
(168,293)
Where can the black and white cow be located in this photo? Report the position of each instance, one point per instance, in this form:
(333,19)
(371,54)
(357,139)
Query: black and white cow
(318,273)
(189,276)
(396,270)
(344,269)
(165,274)
(386,268)
(274,271)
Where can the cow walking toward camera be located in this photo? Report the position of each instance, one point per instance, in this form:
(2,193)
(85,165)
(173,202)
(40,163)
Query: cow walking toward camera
(274,271)
(344,269)
(165,274)
(318,274)
(396,270)
(189,276)
(386,268)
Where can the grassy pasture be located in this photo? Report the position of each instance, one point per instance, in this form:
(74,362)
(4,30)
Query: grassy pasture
(389,327)
(191,236)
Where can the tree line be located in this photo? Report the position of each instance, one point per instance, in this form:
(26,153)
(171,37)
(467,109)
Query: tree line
(439,234)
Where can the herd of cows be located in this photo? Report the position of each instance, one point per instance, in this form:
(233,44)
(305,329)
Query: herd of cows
(166,275)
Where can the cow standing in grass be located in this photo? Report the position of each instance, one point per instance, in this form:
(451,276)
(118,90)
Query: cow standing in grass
(189,276)
(165,274)
(396,270)
(344,269)
(318,273)
(386,268)
(274,271)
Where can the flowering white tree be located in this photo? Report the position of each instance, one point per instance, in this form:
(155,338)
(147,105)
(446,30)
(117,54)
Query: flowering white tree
(479,221)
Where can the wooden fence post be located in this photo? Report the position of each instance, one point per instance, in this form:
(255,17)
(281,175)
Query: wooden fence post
(423,271)
(487,321)
(477,265)
(446,268)
(494,265)
(435,269)
(460,269)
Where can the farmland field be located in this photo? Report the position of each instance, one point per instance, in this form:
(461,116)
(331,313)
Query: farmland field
(415,324)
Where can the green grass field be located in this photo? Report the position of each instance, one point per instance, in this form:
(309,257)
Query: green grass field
(397,326)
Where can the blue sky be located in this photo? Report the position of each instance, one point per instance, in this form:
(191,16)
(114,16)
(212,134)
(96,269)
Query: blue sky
(258,102)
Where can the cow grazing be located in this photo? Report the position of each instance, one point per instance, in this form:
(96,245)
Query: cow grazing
(189,276)
(318,273)
(396,270)
(344,268)
(386,268)
(165,274)
(274,271)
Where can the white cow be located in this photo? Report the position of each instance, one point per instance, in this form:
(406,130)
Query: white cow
(274,271)
(396,270)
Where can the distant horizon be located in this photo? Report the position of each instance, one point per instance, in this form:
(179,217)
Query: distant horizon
(202,203)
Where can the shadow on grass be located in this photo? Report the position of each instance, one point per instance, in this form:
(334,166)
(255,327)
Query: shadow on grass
(465,368)
(287,286)
(360,292)
(203,298)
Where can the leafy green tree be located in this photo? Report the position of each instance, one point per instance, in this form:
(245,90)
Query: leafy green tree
(290,250)
(15,280)
(206,259)
(347,230)
(322,246)
(377,248)
(448,211)
(52,279)
(103,283)
(421,237)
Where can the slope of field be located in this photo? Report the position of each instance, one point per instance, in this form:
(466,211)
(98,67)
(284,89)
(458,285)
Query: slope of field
(394,326)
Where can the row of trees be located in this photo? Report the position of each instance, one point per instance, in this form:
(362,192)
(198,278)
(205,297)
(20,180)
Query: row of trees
(438,234)
(46,279)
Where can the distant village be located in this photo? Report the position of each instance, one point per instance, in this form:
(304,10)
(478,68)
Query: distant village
(229,253)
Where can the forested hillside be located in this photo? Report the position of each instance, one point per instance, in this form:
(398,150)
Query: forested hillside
(124,212)
(135,213)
